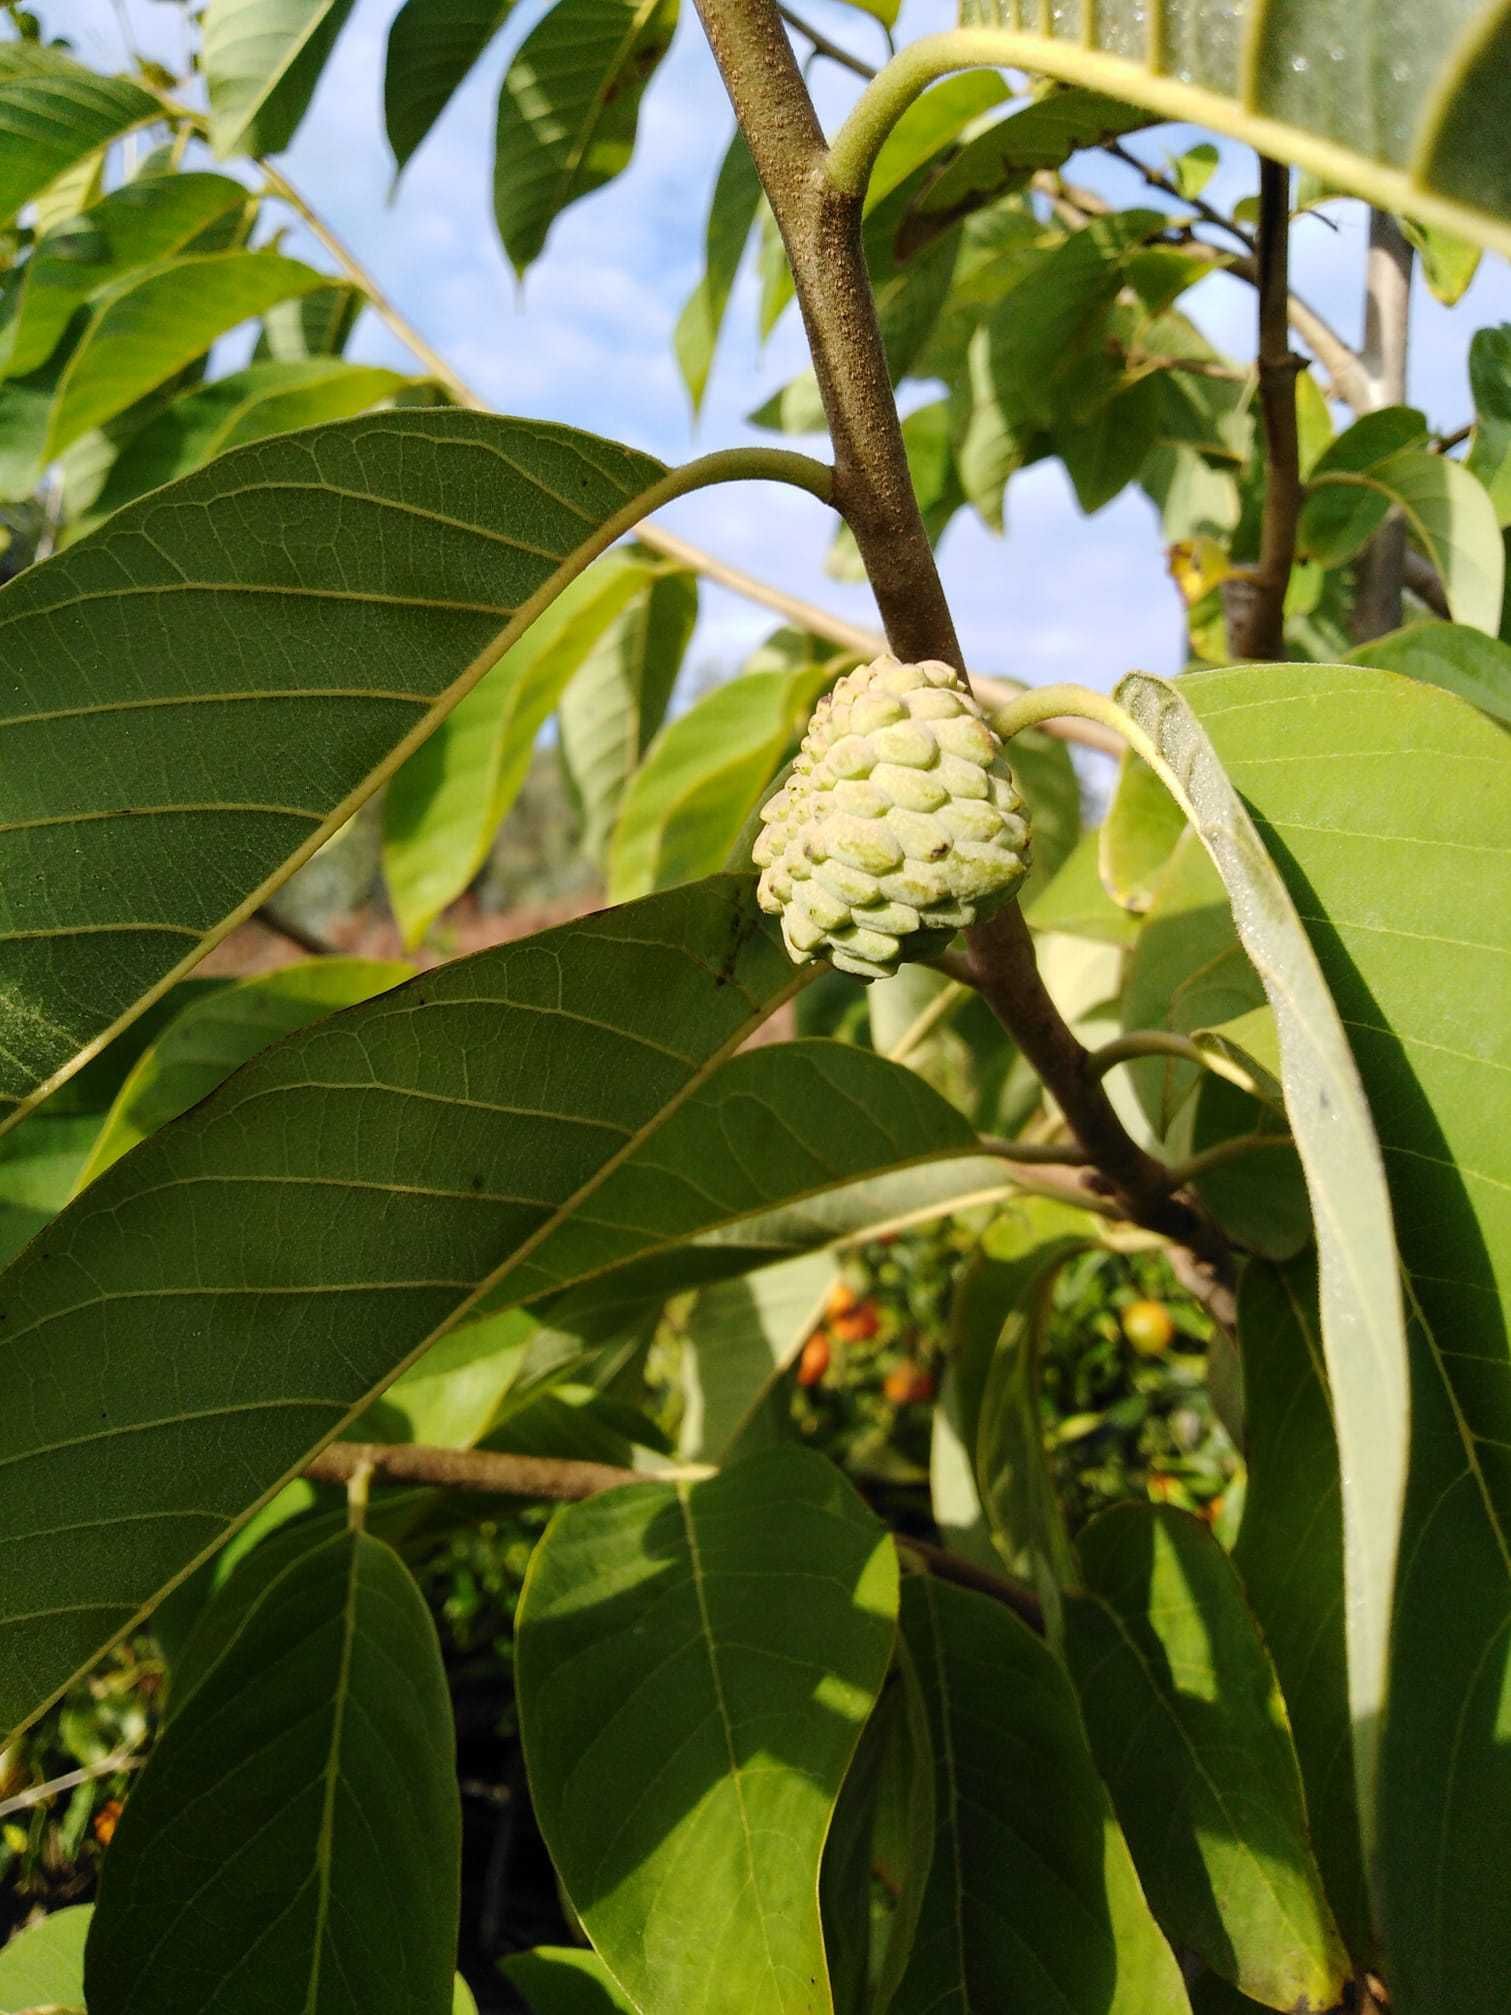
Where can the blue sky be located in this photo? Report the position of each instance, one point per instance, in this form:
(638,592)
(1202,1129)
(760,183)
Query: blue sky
(587,339)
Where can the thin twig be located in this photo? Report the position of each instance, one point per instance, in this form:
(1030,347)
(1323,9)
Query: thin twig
(1157,179)
(954,1567)
(1255,605)
(822,46)
(39,1794)
(1445,442)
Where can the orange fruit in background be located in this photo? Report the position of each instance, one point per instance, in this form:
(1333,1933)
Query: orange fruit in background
(106,1819)
(908,1385)
(1148,1327)
(858,1325)
(814,1361)
(841,1299)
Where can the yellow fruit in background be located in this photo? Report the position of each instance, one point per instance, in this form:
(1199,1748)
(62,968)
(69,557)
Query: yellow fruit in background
(1148,1327)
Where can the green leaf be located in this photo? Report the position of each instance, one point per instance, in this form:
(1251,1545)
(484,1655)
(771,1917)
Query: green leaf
(445,805)
(134,226)
(43,1965)
(1032,1900)
(1451,655)
(54,113)
(930,124)
(281,679)
(1137,836)
(212,1037)
(618,697)
(1449,262)
(314,325)
(1188,1727)
(565,1980)
(1193,170)
(1340,513)
(150,326)
(306,1787)
(740,1336)
(745,1717)
(262,60)
(462,2002)
(246,405)
(633,1152)
(1362,1318)
(1397,105)
(731,217)
(1104,453)
(431,50)
(705,772)
(1346,767)
(1076,903)
(452,1395)
(568,111)
(1289,1554)
(1454,521)
(1489,455)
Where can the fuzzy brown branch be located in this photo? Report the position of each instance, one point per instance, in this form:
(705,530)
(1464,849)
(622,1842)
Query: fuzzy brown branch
(1255,601)
(478,1469)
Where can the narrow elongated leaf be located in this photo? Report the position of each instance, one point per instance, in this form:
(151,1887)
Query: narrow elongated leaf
(705,772)
(731,217)
(1489,455)
(248,405)
(1032,1900)
(146,330)
(741,1335)
(447,802)
(296,1837)
(43,1966)
(1362,1316)
(282,678)
(1189,1730)
(1347,767)
(53,113)
(134,226)
(355,1191)
(214,1036)
(568,111)
(262,61)
(1289,1552)
(1450,655)
(745,1717)
(617,699)
(1398,105)
(431,49)
(565,1980)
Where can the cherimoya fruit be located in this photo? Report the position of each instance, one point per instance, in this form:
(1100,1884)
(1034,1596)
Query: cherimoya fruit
(898,825)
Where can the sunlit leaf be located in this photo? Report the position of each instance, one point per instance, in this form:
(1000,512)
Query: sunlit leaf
(1451,655)
(53,113)
(262,60)
(731,216)
(42,1967)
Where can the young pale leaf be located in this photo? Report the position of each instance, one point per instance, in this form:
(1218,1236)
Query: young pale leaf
(431,49)
(54,113)
(1137,836)
(248,405)
(1451,655)
(691,1852)
(1313,766)
(704,774)
(1289,1554)
(1346,766)
(43,1966)
(282,678)
(295,1840)
(214,1036)
(568,111)
(133,227)
(731,215)
(1189,1730)
(565,1980)
(552,1112)
(739,1338)
(930,125)
(445,805)
(1032,1900)
(1449,262)
(262,61)
(1413,132)
(617,699)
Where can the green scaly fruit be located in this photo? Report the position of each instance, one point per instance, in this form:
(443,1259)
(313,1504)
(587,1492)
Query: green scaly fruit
(899,824)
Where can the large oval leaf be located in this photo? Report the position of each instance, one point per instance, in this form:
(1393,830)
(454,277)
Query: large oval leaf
(295,1840)
(1188,1726)
(1032,1900)
(1387,804)
(695,1665)
(1398,103)
(1362,1318)
(541,1115)
(195,697)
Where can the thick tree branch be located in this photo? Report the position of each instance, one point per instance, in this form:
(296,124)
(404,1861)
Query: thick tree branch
(1256,602)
